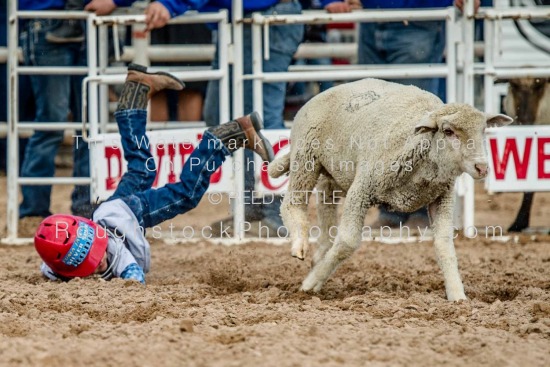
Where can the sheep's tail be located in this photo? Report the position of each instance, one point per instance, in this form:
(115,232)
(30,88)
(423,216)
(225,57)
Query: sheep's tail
(279,166)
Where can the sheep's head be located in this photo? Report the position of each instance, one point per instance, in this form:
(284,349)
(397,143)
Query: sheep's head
(457,137)
(524,98)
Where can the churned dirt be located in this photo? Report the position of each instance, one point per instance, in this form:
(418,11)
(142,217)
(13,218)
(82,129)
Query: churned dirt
(214,305)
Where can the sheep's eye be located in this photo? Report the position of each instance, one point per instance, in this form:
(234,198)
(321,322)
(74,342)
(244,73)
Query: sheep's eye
(448,132)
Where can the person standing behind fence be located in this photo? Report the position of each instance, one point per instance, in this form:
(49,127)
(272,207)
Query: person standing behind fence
(299,93)
(401,43)
(185,105)
(55,96)
(283,43)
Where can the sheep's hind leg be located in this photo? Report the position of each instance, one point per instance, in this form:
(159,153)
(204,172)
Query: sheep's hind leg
(328,193)
(294,207)
(347,240)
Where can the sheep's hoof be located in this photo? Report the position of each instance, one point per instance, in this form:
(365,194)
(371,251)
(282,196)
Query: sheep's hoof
(311,283)
(316,288)
(299,249)
(298,257)
(457,297)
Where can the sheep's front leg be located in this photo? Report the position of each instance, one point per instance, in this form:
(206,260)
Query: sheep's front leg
(348,239)
(441,212)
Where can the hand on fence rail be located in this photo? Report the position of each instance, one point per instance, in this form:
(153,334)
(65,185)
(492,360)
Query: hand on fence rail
(344,6)
(156,16)
(460,5)
(101,7)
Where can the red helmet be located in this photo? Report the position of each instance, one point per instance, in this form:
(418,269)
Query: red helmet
(71,246)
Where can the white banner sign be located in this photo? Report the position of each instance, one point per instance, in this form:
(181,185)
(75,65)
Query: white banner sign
(170,150)
(519,158)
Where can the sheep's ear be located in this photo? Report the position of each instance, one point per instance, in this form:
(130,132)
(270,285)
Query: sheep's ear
(498,120)
(427,124)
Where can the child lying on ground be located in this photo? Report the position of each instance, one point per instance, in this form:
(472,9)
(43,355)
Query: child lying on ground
(110,245)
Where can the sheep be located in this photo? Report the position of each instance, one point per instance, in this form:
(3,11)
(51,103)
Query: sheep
(379,142)
(528,102)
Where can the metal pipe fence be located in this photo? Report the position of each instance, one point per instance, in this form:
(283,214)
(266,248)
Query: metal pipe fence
(94,90)
(459,70)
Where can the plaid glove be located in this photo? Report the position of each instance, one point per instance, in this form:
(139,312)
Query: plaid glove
(133,271)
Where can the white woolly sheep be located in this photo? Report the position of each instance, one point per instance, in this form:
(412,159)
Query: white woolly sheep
(380,143)
(528,102)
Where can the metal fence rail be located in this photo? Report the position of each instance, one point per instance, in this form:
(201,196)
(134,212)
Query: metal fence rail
(98,76)
(459,70)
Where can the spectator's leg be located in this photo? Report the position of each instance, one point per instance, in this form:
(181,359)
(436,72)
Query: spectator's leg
(80,197)
(323,85)
(51,94)
(369,45)
(424,43)
(283,43)
(211,108)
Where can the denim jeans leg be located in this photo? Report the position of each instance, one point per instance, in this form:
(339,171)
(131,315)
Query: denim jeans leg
(141,169)
(52,95)
(283,43)
(157,206)
(424,43)
(80,197)
(81,153)
(211,107)
(39,162)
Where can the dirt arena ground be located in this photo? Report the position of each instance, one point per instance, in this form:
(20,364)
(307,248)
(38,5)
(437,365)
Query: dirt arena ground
(213,305)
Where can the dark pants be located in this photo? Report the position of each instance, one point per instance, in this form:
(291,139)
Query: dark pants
(55,96)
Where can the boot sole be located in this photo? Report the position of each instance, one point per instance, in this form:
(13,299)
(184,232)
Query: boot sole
(143,69)
(258,124)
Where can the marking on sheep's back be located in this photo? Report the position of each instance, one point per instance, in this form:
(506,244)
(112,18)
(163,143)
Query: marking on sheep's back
(359,101)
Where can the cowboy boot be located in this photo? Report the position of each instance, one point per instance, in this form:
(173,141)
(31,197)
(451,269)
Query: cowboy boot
(244,132)
(140,85)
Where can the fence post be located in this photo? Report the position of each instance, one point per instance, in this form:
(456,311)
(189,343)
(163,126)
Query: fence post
(13,119)
(468,181)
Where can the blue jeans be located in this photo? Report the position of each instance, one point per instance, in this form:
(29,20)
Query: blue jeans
(283,43)
(154,206)
(55,96)
(300,88)
(397,43)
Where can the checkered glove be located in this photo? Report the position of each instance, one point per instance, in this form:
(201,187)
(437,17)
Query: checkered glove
(135,272)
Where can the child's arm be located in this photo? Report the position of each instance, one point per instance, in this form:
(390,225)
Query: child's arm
(48,272)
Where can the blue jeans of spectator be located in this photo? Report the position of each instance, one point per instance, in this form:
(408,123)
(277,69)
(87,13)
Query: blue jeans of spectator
(397,43)
(55,96)
(283,43)
(154,206)
(300,88)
